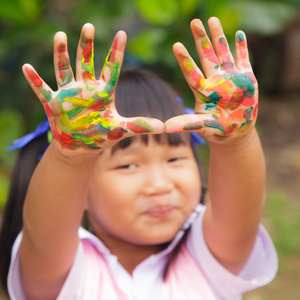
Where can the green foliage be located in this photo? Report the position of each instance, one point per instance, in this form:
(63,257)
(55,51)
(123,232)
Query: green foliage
(4,186)
(28,27)
(264,17)
(284,216)
(166,12)
(11,127)
(19,11)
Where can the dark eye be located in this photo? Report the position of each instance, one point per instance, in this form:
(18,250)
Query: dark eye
(129,166)
(174,159)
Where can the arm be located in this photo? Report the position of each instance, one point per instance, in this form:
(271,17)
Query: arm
(84,122)
(226,111)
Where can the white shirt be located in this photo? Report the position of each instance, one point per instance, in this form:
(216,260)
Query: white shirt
(97,274)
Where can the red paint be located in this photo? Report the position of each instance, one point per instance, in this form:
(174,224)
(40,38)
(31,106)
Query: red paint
(112,56)
(238,115)
(34,78)
(87,76)
(196,76)
(108,114)
(249,101)
(61,48)
(68,138)
(229,129)
(100,105)
(137,128)
(116,133)
(255,111)
(87,50)
(61,67)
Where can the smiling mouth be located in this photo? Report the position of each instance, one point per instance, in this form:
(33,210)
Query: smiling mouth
(160,212)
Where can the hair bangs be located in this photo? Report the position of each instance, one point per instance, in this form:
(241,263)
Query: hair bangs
(140,93)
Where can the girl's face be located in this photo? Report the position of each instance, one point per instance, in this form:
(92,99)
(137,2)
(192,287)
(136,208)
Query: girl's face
(143,194)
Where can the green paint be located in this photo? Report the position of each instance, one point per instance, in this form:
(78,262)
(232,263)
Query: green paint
(215,97)
(213,123)
(243,81)
(210,106)
(75,112)
(47,95)
(240,37)
(70,93)
(144,125)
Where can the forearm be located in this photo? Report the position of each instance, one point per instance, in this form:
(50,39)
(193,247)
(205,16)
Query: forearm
(237,193)
(53,210)
(56,196)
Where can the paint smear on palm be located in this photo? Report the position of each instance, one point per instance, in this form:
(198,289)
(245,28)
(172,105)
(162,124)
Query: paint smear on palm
(230,101)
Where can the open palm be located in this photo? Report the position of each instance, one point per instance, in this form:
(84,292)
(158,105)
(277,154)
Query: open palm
(82,112)
(227,99)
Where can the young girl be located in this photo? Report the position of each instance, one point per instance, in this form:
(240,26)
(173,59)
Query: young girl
(150,238)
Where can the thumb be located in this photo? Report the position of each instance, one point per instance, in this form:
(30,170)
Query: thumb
(208,126)
(143,125)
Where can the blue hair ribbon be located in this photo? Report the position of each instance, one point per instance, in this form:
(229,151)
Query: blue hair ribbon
(23,141)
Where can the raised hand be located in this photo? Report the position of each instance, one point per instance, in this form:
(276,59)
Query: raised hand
(227,97)
(82,112)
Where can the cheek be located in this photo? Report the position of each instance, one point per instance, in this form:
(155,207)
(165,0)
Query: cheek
(109,195)
(191,185)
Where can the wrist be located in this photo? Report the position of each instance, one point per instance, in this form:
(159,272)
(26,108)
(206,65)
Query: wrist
(75,158)
(238,142)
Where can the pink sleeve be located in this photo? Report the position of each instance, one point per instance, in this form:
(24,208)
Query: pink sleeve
(260,269)
(73,286)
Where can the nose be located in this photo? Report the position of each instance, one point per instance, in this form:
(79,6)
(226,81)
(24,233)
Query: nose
(157,181)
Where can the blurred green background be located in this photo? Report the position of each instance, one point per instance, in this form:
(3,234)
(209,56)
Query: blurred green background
(27,28)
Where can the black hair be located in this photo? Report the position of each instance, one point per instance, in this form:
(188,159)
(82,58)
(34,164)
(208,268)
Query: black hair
(12,219)
(138,93)
(142,93)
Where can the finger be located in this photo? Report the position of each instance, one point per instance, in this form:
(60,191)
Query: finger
(191,72)
(113,63)
(85,54)
(142,125)
(41,89)
(208,58)
(207,125)
(241,52)
(63,70)
(220,44)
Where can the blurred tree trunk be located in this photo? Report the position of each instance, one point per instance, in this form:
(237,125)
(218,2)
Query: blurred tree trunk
(290,75)
(276,59)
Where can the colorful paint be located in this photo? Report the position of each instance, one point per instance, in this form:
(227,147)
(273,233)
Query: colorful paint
(80,114)
(87,61)
(228,98)
(64,71)
(207,48)
(242,51)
